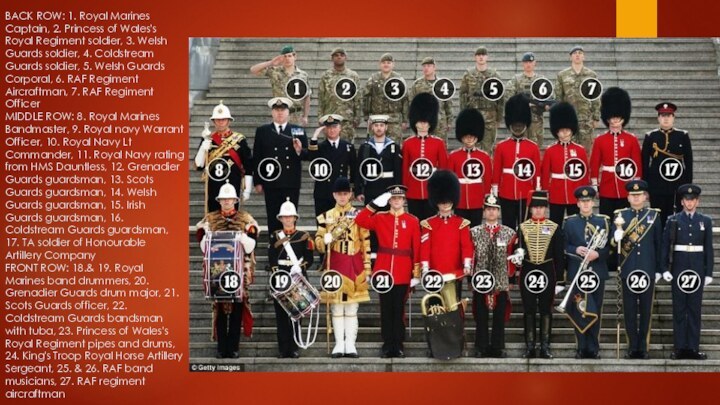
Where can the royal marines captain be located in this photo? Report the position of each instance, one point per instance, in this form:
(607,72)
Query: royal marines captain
(290,250)
(541,256)
(329,160)
(398,234)
(472,166)
(278,151)
(347,250)
(422,154)
(667,161)
(227,157)
(638,233)
(687,262)
(228,317)
(493,243)
(579,229)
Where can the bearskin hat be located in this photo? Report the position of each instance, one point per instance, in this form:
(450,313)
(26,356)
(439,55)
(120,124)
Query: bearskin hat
(424,107)
(562,115)
(470,122)
(517,110)
(615,102)
(443,186)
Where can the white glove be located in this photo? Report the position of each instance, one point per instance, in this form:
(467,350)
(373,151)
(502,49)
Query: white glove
(425,267)
(382,200)
(618,235)
(494,189)
(559,289)
(517,257)
(295,269)
(328,238)
(248,187)
(247,242)
(206,227)
(708,280)
(200,157)
(667,276)
(202,243)
(205,145)
(467,264)
(658,276)
(414,282)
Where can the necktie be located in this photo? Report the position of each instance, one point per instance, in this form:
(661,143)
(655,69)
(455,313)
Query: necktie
(280,128)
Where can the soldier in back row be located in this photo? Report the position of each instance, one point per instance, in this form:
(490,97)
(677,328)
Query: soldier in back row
(425,84)
(338,94)
(385,97)
(521,83)
(473,96)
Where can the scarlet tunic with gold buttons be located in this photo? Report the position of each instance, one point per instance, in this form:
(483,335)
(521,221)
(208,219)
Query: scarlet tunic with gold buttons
(430,148)
(398,242)
(564,168)
(445,243)
(508,154)
(608,152)
(474,170)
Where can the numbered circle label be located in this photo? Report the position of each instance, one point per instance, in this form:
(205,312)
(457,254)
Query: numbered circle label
(588,281)
(331,281)
(421,169)
(524,169)
(394,89)
(591,89)
(536,281)
(637,282)
(493,89)
(371,169)
(688,281)
(444,89)
(625,169)
(296,89)
(320,169)
(345,89)
(382,281)
(671,169)
(483,282)
(280,281)
(218,169)
(229,281)
(541,89)
(575,169)
(432,281)
(269,169)
(473,169)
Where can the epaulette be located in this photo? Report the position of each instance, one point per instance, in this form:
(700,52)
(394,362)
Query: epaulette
(321,219)
(569,216)
(464,223)
(619,210)
(603,216)
(425,224)
(655,209)
(239,136)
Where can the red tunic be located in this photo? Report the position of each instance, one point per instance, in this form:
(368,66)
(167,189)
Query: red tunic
(474,170)
(446,244)
(607,156)
(398,242)
(521,156)
(564,168)
(430,148)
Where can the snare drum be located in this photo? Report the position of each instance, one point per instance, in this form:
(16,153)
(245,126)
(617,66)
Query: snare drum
(223,254)
(299,299)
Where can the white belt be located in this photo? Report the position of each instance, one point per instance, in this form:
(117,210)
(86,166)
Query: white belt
(607,168)
(688,248)
(470,181)
(560,176)
(508,171)
(285,263)
(387,175)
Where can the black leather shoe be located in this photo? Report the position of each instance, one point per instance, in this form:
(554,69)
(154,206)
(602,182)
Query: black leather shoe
(479,354)
(579,355)
(545,352)
(352,355)
(630,355)
(234,355)
(529,353)
(643,355)
(594,356)
(219,355)
(336,355)
(676,355)
(384,354)
(294,355)
(696,355)
(400,354)
(499,354)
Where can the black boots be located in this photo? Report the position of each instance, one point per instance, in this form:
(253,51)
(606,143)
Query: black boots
(529,336)
(545,329)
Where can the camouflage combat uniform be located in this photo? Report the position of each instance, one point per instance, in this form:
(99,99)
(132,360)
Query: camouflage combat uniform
(521,84)
(492,111)
(278,80)
(445,115)
(329,103)
(567,88)
(375,103)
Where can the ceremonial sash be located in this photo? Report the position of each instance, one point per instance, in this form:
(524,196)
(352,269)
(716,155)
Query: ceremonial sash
(226,146)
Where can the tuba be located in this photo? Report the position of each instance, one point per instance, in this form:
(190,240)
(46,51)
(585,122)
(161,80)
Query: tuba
(444,321)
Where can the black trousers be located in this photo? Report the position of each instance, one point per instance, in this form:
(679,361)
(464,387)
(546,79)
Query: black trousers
(558,212)
(392,324)
(227,328)
(638,332)
(421,208)
(607,207)
(475,216)
(274,198)
(687,309)
(483,340)
(286,342)
(589,342)
(668,205)
(512,211)
(542,302)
